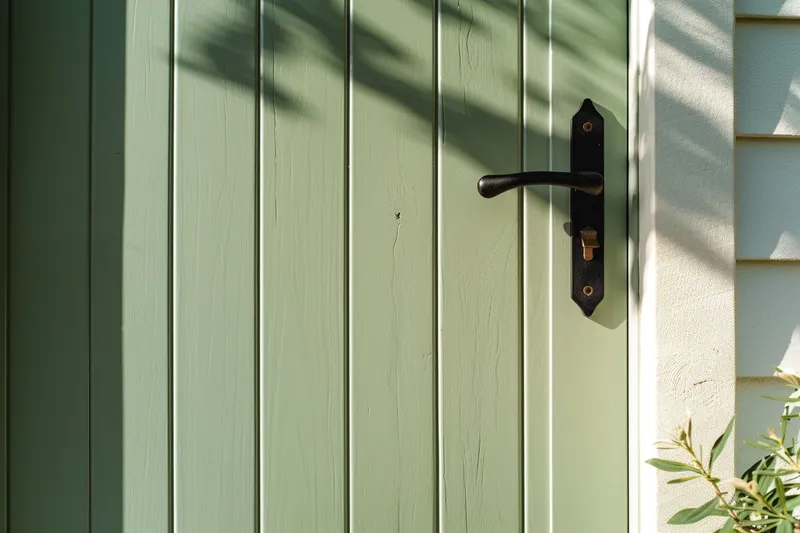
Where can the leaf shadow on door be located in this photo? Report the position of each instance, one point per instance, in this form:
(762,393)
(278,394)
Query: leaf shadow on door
(225,51)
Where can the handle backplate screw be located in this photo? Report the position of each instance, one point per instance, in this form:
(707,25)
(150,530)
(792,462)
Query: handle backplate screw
(587,127)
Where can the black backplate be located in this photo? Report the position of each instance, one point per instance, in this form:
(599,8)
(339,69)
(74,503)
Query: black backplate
(586,151)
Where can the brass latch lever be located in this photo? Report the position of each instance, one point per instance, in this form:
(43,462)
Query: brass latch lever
(589,242)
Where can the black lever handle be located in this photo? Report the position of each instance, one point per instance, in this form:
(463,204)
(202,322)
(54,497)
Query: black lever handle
(588,182)
(586,203)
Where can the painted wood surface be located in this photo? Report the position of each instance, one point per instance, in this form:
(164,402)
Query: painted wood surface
(589,356)
(49,264)
(4,148)
(213,276)
(783,8)
(767,189)
(130,268)
(767,317)
(106,405)
(767,237)
(304,299)
(755,414)
(766,73)
(145,280)
(294,311)
(479,297)
(391,225)
(537,362)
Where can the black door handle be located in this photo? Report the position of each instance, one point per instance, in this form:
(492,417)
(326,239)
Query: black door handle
(586,206)
(588,182)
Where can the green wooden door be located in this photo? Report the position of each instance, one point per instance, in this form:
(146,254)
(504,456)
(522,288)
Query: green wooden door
(252,286)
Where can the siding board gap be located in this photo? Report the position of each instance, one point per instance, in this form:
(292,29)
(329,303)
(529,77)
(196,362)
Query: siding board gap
(767,136)
(752,17)
(766,261)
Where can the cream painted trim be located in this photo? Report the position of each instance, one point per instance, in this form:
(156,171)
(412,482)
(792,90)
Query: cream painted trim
(682,346)
(642,502)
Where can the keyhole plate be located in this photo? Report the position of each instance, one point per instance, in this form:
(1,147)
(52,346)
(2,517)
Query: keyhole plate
(586,211)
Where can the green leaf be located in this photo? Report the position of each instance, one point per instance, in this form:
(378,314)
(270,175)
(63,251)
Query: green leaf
(728,527)
(690,516)
(681,480)
(781,492)
(787,526)
(784,400)
(769,473)
(762,445)
(791,503)
(666,445)
(719,444)
(765,483)
(763,464)
(672,466)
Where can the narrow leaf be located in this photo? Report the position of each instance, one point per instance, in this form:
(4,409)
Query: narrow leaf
(784,400)
(787,526)
(768,473)
(762,445)
(667,444)
(690,516)
(672,466)
(681,480)
(792,503)
(728,527)
(719,444)
(763,464)
(781,492)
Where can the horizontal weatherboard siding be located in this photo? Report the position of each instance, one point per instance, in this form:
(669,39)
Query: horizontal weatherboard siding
(783,8)
(767,199)
(755,414)
(766,76)
(767,222)
(767,317)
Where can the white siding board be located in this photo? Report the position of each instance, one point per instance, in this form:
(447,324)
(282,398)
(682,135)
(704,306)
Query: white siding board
(784,8)
(755,415)
(767,318)
(767,78)
(767,195)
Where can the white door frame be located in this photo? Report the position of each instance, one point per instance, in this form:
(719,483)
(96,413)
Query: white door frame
(682,265)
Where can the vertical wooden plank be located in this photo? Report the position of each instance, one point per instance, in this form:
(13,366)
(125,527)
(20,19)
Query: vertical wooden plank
(4,147)
(589,355)
(145,264)
(107,165)
(303,247)
(49,263)
(536,270)
(130,266)
(214,277)
(392,207)
(481,281)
